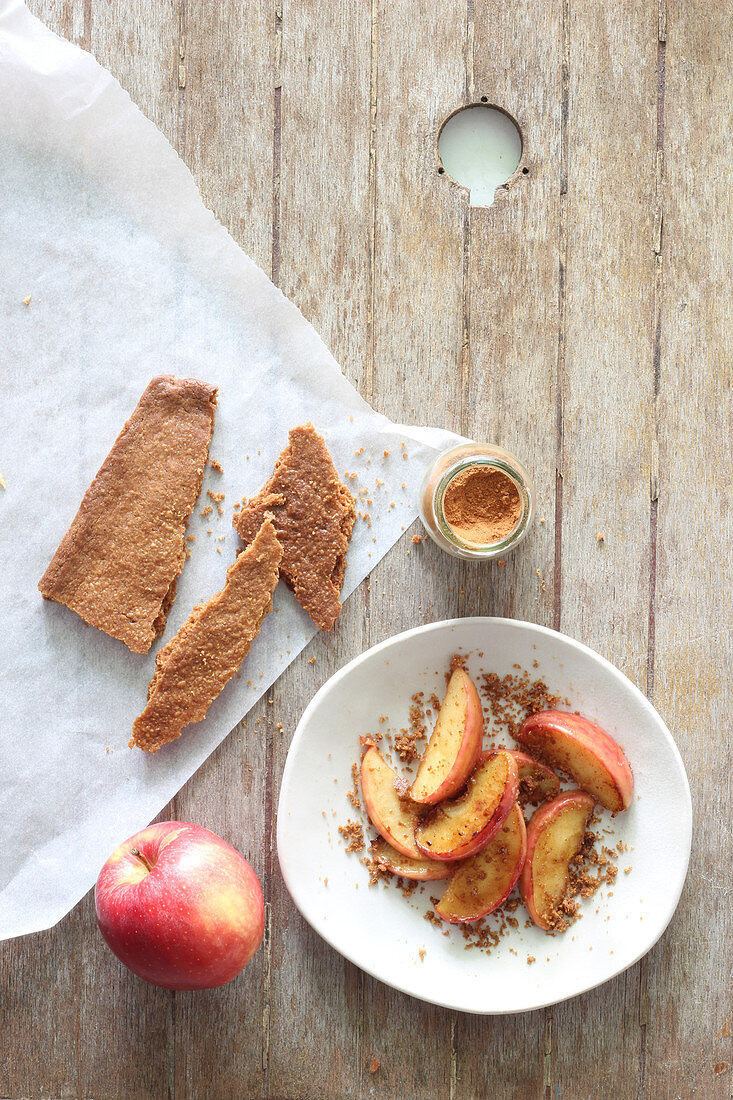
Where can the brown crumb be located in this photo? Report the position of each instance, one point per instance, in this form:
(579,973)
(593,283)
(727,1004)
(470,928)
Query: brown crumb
(374,1064)
(720,1067)
(530,960)
(417,539)
(385,454)
(405,740)
(353,833)
(216,466)
(27,301)
(421,953)
(353,794)
(206,511)
(725,1031)
(599,536)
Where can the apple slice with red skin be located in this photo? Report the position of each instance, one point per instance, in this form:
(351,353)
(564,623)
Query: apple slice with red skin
(394,818)
(484,881)
(457,829)
(537,782)
(582,749)
(555,835)
(422,870)
(454,745)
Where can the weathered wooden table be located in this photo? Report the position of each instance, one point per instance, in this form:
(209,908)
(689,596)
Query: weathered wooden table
(583,321)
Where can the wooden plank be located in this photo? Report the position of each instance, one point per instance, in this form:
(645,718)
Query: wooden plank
(321,257)
(223,98)
(688,992)
(608,381)
(415,356)
(510,398)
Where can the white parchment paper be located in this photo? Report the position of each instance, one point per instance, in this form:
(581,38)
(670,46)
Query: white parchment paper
(129,276)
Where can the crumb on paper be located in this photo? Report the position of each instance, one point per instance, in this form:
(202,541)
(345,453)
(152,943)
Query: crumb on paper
(216,466)
(421,953)
(2,482)
(530,960)
(27,301)
(206,511)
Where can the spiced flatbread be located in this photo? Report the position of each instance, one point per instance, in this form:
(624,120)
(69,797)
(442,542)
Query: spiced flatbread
(202,657)
(314,516)
(118,563)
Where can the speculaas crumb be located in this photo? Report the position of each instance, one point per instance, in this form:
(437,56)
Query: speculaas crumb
(406,740)
(374,1064)
(216,466)
(512,698)
(353,834)
(353,794)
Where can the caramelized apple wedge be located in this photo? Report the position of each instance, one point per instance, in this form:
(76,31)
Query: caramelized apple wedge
(422,870)
(455,830)
(537,782)
(555,835)
(582,749)
(454,744)
(394,819)
(484,881)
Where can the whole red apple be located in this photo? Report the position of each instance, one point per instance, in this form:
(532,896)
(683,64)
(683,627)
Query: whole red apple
(180,907)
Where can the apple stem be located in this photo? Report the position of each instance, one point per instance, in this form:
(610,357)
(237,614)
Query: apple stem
(141,857)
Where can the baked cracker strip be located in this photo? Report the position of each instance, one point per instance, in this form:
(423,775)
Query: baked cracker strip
(117,565)
(202,657)
(314,515)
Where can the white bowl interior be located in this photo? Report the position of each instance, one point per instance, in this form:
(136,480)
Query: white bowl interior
(382,932)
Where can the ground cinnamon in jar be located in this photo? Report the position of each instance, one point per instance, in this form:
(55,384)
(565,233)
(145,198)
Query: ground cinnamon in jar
(482,505)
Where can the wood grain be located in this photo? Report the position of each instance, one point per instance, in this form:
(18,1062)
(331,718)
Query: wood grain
(583,321)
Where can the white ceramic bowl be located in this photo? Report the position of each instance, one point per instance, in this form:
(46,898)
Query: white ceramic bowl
(380,931)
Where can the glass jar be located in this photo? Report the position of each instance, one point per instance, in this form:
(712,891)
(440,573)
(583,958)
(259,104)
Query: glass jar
(438,477)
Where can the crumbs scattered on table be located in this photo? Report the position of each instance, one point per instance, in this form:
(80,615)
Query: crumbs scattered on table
(27,301)
(417,539)
(206,511)
(216,466)
(374,1064)
(599,536)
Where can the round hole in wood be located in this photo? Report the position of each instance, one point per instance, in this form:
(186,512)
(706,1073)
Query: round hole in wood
(480,148)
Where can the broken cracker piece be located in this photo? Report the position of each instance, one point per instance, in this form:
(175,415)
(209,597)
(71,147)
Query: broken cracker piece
(314,516)
(197,663)
(118,563)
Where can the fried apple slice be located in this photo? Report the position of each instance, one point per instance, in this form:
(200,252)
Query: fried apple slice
(394,818)
(454,744)
(455,830)
(555,835)
(484,881)
(537,782)
(421,870)
(582,749)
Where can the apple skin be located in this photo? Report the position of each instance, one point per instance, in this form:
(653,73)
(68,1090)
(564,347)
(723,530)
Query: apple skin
(393,818)
(420,870)
(544,783)
(580,805)
(191,921)
(484,881)
(461,724)
(469,826)
(578,746)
